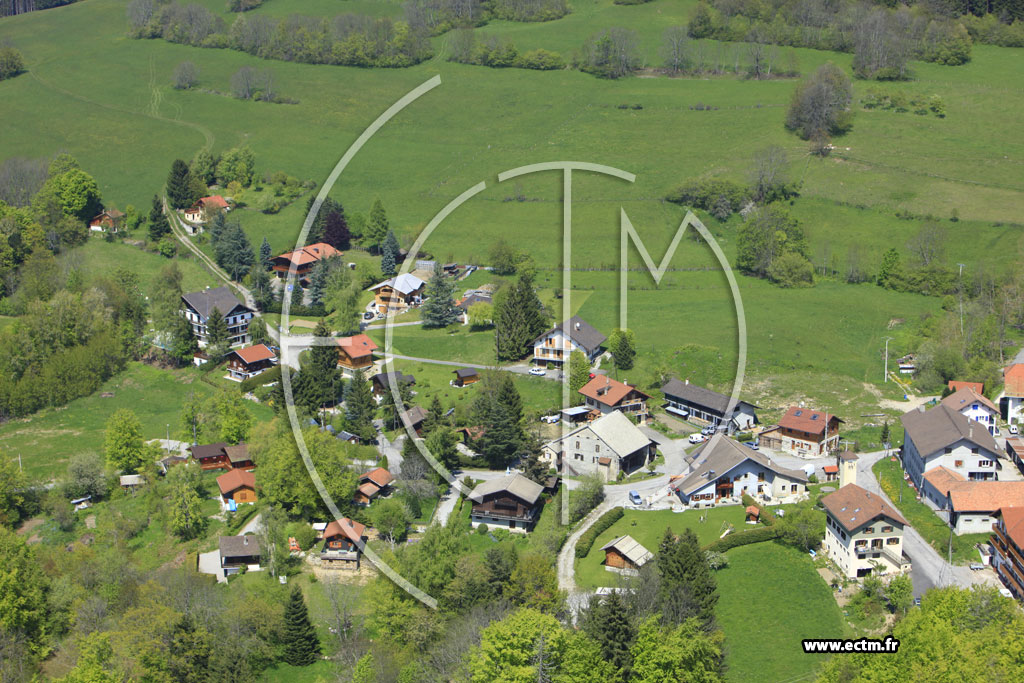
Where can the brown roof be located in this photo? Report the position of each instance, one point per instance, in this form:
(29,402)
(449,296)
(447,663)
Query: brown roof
(806,420)
(369,489)
(416,415)
(346,527)
(753,510)
(234,480)
(1013,378)
(848,455)
(604,461)
(379,476)
(943,426)
(853,507)
(309,254)
(975,496)
(209,450)
(239,453)
(213,202)
(1013,520)
(608,391)
(965,395)
(239,546)
(956,385)
(254,354)
(357,346)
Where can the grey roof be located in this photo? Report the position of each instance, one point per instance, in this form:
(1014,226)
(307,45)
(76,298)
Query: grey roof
(699,395)
(719,455)
(416,414)
(581,332)
(239,546)
(616,430)
(463,373)
(239,453)
(132,480)
(403,284)
(577,410)
(942,426)
(515,483)
(385,378)
(631,549)
(474,298)
(221,298)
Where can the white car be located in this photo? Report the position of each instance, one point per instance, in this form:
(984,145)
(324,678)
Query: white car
(538,371)
(550,419)
(697,438)
(1012,429)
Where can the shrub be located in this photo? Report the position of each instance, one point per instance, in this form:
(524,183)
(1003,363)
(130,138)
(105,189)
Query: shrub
(271,375)
(758,535)
(603,523)
(482,529)
(719,197)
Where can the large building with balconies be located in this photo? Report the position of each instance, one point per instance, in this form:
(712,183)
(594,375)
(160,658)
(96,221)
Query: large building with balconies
(197,307)
(1008,549)
(943,437)
(608,395)
(863,533)
(552,348)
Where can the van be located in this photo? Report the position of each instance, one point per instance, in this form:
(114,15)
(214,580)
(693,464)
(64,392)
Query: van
(635,499)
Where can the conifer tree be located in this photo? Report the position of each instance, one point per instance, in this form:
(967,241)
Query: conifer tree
(179,193)
(389,254)
(359,407)
(377,226)
(688,588)
(439,308)
(336,231)
(216,328)
(518,320)
(265,254)
(158,225)
(298,296)
(435,417)
(623,347)
(301,645)
(323,363)
(608,623)
(318,283)
(579,375)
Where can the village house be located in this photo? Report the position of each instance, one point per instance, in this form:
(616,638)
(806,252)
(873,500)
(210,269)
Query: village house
(608,395)
(802,432)
(707,407)
(552,348)
(130,482)
(355,353)
(473,297)
(465,377)
(205,209)
(863,533)
(1011,401)
(250,361)
(382,381)
(1008,549)
(303,260)
(109,220)
(198,306)
(510,502)
(237,487)
(609,445)
(398,293)
(723,470)
(625,555)
(943,437)
(414,417)
(1015,451)
(341,548)
(237,552)
(970,506)
(973,406)
(956,385)
(221,456)
(372,485)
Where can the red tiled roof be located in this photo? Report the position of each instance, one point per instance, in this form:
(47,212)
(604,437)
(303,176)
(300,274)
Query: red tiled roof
(351,529)
(964,395)
(753,510)
(975,496)
(956,385)
(1013,378)
(213,202)
(369,489)
(608,391)
(234,480)
(357,346)
(254,354)
(806,420)
(831,469)
(310,253)
(379,476)
(1013,520)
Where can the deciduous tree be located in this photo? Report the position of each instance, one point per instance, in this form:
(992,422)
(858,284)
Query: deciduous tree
(122,441)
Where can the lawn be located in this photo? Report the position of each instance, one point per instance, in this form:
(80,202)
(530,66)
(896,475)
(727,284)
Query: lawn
(923,518)
(49,438)
(98,257)
(770,599)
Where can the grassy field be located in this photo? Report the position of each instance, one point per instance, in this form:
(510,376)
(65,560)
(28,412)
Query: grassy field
(770,599)
(923,518)
(49,438)
(98,257)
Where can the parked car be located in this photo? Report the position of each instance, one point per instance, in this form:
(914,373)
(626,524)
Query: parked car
(708,431)
(1012,429)
(368,316)
(752,444)
(697,438)
(635,499)
(538,371)
(550,419)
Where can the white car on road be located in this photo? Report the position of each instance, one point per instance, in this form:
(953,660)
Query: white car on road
(538,371)
(697,438)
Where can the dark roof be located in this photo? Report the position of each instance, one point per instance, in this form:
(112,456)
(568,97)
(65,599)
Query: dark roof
(720,455)
(515,483)
(475,298)
(581,332)
(239,546)
(806,420)
(239,453)
(699,395)
(943,426)
(221,298)
(463,373)
(208,450)
(385,378)
(848,455)
(853,507)
(416,415)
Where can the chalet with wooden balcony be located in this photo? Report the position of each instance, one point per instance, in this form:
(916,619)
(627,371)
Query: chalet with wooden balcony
(373,484)
(237,552)
(863,533)
(511,502)
(1008,547)
(552,348)
(608,395)
(238,487)
(109,220)
(341,548)
(382,381)
(704,406)
(250,361)
(221,456)
(398,293)
(355,353)
(197,307)
(303,260)
(803,432)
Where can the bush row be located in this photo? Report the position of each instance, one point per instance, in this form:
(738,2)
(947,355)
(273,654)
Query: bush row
(758,535)
(271,375)
(603,523)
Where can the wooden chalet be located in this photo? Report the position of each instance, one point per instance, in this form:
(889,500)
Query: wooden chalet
(199,306)
(511,502)
(341,544)
(373,484)
(355,353)
(465,377)
(303,259)
(237,552)
(238,486)
(414,418)
(398,293)
(221,456)
(803,432)
(625,554)
(250,361)
(608,395)
(381,382)
(109,220)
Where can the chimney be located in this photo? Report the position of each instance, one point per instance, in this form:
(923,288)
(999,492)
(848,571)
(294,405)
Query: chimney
(245,540)
(577,325)
(687,380)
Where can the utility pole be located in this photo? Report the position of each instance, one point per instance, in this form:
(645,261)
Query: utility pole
(167,442)
(961,296)
(885,377)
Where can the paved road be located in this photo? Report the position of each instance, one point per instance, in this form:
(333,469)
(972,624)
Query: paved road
(252,526)
(392,450)
(519,368)
(383,326)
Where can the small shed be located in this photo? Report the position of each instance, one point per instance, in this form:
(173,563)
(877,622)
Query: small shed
(753,513)
(625,553)
(831,472)
(130,482)
(465,376)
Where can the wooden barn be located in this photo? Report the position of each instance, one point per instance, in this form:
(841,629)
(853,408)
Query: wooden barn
(341,544)
(625,553)
(237,485)
(465,377)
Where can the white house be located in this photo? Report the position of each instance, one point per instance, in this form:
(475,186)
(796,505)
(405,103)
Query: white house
(971,506)
(553,347)
(863,533)
(695,402)
(1011,401)
(973,406)
(608,445)
(723,470)
(943,437)
(197,307)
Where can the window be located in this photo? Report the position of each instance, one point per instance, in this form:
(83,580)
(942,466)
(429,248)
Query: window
(597,448)
(860,544)
(892,541)
(886,529)
(985,463)
(577,444)
(958,463)
(948,450)
(794,488)
(877,543)
(974,450)
(869,530)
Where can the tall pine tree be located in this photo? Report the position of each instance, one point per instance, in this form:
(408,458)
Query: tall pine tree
(158,225)
(518,320)
(179,191)
(323,363)
(688,587)
(608,623)
(360,407)
(266,255)
(439,308)
(377,227)
(336,231)
(216,329)
(301,645)
(318,283)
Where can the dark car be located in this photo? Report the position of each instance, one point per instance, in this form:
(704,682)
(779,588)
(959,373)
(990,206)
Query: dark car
(368,316)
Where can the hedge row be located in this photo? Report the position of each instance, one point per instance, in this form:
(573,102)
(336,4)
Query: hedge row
(271,375)
(603,523)
(758,535)
(766,517)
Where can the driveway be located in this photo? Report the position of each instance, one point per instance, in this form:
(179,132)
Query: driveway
(209,563)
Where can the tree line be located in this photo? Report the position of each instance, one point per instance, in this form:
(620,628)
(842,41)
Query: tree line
(10,8)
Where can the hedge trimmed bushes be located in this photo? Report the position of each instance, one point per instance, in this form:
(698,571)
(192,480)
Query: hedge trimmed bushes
(759,535)
(271,375)
(603,523)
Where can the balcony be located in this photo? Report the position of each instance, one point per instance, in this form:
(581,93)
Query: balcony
(894,559)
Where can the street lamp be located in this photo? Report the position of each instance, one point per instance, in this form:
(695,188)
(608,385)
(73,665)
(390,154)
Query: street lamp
(885,378)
